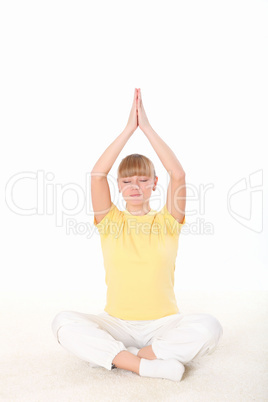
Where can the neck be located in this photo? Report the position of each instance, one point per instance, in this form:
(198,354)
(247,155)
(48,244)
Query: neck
(138,210)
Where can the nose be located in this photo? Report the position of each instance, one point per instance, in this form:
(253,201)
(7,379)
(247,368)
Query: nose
(134,186)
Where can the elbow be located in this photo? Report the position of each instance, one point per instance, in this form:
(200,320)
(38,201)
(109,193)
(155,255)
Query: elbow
(98,175)
(179,175)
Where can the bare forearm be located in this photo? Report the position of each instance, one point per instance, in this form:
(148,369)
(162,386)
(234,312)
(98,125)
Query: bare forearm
(165,153)
(107,159)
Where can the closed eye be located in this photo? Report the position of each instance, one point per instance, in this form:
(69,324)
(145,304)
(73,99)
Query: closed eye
(128,181)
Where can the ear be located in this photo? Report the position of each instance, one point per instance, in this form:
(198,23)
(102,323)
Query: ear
(155,182)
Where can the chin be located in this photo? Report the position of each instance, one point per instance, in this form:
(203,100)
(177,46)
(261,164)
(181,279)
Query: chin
(135,198)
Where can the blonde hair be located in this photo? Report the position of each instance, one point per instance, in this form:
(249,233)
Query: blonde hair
(136,165)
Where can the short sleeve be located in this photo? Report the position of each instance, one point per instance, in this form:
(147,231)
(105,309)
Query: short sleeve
(113,216)
(169,223)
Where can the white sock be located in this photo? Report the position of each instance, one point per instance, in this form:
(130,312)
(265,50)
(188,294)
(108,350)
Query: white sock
(133,350)
(170,369)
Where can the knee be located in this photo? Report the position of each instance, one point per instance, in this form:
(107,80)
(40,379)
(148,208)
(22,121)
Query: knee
(59,320)
(213,326)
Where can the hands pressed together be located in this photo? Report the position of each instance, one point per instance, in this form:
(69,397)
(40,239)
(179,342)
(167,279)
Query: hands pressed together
(137,115)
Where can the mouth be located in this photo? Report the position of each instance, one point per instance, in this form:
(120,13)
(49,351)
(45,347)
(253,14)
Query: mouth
(135,195)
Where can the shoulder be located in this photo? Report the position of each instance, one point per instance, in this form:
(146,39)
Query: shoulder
(168,221)
(114,214)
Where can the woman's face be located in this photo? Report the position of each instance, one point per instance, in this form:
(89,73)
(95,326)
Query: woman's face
(136,189)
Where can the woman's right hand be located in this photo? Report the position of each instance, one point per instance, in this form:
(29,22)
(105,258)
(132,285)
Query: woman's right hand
(132,123)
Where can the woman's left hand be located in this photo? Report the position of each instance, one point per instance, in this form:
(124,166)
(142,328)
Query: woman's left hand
(142,118)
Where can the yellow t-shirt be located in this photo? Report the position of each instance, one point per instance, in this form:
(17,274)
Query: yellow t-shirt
(139,254)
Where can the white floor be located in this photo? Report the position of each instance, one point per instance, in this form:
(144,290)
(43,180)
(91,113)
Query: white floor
(34,367)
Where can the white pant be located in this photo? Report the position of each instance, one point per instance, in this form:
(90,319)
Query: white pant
(97,339)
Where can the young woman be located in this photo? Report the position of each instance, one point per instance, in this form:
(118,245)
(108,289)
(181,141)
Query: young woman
(141,328)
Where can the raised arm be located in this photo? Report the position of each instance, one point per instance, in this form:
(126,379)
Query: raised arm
(109,156)
(100,191)
(164,152)
(176,194)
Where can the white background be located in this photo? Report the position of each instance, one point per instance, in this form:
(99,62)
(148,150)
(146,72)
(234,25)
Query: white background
(68,73)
